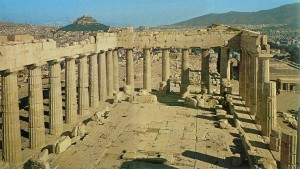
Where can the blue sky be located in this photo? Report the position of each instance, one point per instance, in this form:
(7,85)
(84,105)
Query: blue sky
(124,12)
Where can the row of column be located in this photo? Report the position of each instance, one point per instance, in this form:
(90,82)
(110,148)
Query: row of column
(103,75)
(147,82)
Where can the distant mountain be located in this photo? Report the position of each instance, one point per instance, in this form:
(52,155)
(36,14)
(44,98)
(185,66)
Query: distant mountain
(85,23)
(284,14)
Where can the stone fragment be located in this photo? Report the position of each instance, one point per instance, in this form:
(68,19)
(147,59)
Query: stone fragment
(63,145)
(237,160)
(44,155)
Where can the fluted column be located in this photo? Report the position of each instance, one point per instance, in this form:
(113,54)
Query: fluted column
(262,77)
(129,68)
(242,85)
(83,84)
(55,99)
(165,64)
(205,70)
(224,63)
(11,143)
(109,73)
(184,71)
(147,70)
(166,67)
(269,116)
(247,79)
(253,86)
(298,140)
(93,81)
(36,108)
(116,70)
(102,76)
(70,90)
(288,154)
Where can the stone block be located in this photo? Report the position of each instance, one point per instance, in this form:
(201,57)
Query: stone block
(274,144)
(44,155)
(119,96)
(63,145)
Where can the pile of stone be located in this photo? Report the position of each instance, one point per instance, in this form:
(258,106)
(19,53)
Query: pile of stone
(221,116)
(201,101)
(290,119)
(43,160)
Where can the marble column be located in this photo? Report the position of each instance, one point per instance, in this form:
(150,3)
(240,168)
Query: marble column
(102,76)
(269,116)
(262,77)
(93,81)
(248,79)
(109,73)
(129,68)
(83,84)
(116,70)
(288,151)
(205,79)
(298,140)
(55,99)
(11,143)
(224,63)
(253,85)
(36,108)
(166,68)
(184,71)
(242,85)
(70,90)
(147,70)
(165,64)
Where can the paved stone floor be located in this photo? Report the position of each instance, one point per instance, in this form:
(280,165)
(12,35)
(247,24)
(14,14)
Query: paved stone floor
(153,136)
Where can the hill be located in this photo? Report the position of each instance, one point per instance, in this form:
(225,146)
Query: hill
(85,23)
(281,15)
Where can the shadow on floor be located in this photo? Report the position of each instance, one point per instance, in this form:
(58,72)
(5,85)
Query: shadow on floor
(146,163)
(225,163)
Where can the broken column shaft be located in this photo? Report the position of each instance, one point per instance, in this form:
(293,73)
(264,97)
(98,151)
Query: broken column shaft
(269,116)
(262,77)
(205,79)
(184,71)
(288,151)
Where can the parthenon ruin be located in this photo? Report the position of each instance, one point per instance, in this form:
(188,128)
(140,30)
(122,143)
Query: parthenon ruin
(92,77)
